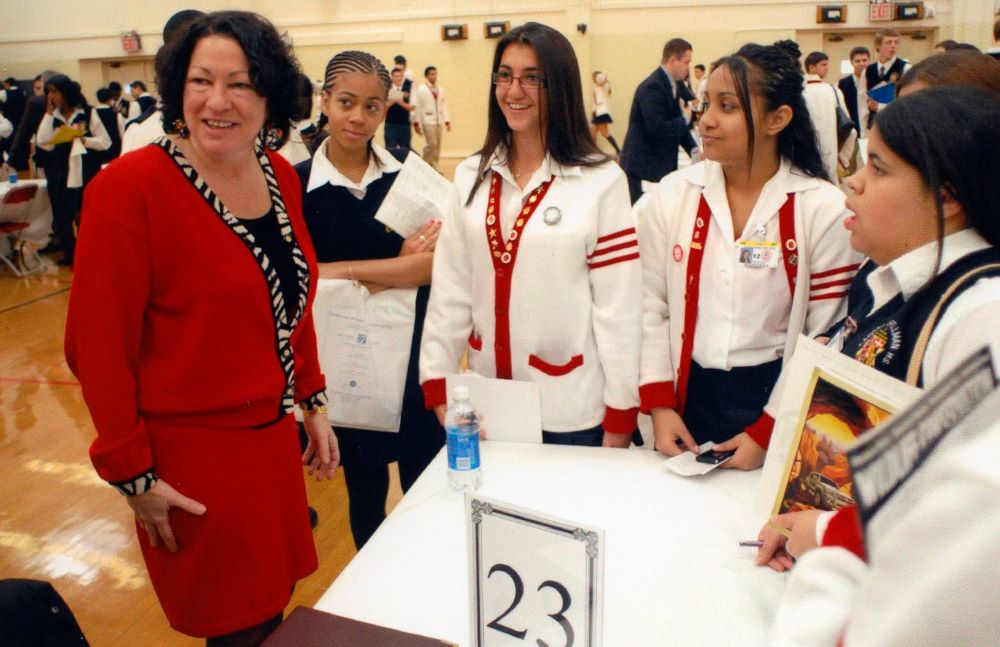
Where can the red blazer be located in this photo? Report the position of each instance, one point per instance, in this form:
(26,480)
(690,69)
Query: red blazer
(169,313)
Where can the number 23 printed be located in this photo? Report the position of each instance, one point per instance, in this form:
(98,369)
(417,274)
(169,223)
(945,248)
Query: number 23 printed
(558,616)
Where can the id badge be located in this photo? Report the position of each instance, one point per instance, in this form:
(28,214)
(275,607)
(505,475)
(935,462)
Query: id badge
(759,253)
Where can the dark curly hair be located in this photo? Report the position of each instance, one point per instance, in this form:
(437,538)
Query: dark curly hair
(774,74)
(274,70)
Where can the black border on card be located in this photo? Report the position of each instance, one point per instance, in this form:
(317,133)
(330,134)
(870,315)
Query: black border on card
(479,508)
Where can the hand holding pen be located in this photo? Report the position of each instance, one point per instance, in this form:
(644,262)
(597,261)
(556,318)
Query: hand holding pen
(784,538)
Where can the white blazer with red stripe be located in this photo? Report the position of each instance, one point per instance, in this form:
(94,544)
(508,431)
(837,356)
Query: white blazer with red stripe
(825,264)
(574,312)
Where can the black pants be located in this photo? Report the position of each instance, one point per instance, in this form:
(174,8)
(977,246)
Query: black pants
(588,437)
(721,404)
(367,475)
(65,206)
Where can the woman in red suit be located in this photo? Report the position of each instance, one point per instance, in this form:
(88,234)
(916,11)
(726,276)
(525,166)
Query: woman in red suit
(189,328)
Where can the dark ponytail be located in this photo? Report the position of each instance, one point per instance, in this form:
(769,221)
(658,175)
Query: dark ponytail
(774,73)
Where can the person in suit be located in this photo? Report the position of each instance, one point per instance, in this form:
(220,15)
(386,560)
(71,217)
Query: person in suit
(658,121)
(113,122)
(887,69)
(854,86)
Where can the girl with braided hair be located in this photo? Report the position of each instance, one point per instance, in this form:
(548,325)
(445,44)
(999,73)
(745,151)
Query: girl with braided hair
(741,254)
(344,186)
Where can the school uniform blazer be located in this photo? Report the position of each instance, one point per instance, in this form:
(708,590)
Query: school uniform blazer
(656,128)
(431,111)
(574,307)
(850,91)
(826,264)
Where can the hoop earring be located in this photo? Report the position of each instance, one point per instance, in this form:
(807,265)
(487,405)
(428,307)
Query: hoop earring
(272,138)
(181,129)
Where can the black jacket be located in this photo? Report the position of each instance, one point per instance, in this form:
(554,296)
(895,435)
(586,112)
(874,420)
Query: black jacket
(656,127)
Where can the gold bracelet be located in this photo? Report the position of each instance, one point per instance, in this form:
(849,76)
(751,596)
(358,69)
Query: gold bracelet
(321,409)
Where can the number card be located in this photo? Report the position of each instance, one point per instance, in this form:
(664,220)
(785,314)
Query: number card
(535,579)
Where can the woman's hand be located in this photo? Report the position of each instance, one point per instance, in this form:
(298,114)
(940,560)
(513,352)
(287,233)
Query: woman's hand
(749,455)
(322,453)
(670,435)
(151,511)
(780,551)
(423,241)
(440,410)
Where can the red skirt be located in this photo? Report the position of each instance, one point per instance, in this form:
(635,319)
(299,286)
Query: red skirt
(237,563)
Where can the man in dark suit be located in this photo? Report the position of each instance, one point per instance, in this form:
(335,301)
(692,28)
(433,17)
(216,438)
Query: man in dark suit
(659,119)
(854,86)
(888,68)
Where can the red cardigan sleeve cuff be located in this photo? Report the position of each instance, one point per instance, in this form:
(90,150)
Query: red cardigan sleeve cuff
(620,421)
(844,531)
(761,430)
(657,394)
(434,393)
(119,459)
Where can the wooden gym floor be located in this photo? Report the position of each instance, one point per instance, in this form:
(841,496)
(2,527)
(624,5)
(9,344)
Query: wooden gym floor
(58,521)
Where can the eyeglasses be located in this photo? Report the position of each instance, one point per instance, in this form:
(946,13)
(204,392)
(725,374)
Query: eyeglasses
(531,80)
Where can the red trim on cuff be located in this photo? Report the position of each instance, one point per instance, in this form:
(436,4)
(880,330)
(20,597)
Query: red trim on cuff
(435,393)
(620,421)
(844,530)
(760,431)
(657,394)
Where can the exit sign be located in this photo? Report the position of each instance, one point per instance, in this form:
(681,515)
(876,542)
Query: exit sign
(879,10)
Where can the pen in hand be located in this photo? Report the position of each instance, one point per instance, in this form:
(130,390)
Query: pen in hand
(756,543)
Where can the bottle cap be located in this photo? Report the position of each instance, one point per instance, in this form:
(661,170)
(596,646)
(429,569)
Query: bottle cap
(461,393)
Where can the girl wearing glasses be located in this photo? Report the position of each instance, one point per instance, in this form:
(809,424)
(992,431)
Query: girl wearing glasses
(741,254)
(539,278)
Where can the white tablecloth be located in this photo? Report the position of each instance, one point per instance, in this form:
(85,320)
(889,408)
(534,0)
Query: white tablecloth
(39,215)
(674,574)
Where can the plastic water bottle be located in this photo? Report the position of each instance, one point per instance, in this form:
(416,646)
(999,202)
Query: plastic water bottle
(464,470)
(11,173)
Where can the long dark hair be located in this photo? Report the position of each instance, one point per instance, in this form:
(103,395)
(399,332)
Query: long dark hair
(70,91)
(273,70)
(564,126)
(772,71)
(960,161)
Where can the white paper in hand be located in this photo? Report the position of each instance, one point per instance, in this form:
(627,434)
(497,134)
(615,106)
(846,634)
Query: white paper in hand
(686,463)
(511,409)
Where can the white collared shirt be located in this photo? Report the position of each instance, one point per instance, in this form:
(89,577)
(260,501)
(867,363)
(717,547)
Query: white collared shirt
(971,320)
(324,172)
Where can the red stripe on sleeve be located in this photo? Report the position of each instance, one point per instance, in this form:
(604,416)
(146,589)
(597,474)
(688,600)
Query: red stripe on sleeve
(830,284)
(614,248)
(831,295)
(612,261)
(617,234)
(836,270)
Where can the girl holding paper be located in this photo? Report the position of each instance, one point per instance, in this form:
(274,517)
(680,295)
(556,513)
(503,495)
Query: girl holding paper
(69,167)
(378,270)
(741,254)
(538,278)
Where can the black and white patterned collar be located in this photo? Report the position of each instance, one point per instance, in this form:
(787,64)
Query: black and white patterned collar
(283,326)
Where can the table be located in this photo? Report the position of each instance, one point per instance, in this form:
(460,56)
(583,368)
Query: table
(674,574)
(39,214)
